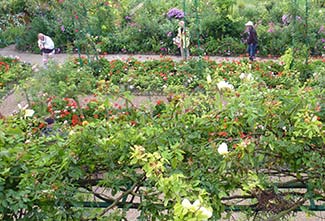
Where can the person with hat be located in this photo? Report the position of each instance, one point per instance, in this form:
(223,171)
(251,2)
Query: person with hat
(251,40)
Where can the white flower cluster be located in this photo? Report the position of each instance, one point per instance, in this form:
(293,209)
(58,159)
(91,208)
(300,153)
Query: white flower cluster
(247,77)
(27,112)
(223,85)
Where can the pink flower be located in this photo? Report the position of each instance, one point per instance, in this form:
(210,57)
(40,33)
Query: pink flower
(285,19)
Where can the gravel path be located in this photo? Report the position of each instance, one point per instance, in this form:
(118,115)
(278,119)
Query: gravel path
(37,59)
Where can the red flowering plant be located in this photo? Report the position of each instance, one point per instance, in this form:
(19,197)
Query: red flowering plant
(111,71)
(94,110)
(158,108)
(4,67)
(114,111)
(11,72)
(64,110)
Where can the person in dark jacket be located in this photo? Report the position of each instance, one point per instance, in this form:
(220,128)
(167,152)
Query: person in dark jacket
(251,40)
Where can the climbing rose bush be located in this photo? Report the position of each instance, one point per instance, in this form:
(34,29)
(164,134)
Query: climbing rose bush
(187,157)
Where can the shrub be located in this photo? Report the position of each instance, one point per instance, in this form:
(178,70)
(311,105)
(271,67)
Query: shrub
(28,41)
(185,156)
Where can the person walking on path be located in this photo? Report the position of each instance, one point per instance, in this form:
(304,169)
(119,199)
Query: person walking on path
(46,44)
(251,40)
(182,40)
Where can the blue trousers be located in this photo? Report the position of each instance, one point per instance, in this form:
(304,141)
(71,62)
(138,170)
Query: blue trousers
(251,49)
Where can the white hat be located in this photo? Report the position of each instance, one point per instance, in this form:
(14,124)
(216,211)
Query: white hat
(249,24)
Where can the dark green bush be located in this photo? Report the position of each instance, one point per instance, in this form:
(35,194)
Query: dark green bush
(28,41)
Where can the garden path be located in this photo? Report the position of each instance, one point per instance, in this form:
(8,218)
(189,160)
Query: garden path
(37,59)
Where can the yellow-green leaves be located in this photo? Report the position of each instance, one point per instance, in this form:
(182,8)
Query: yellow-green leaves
(152,163)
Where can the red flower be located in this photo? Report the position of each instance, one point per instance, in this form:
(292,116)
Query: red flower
(223,134)
(50,109)
(64,113)
(75,120)
(71,102)
(159,102)
(41,125)
(5,65)
(242,135)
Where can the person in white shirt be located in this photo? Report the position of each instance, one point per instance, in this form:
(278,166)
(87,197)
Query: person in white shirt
(46,44)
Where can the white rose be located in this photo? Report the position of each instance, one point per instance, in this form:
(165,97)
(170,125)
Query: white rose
(314,119)
(186,203)
(72,132)
(206,212)
(209,80)
(223,149)
(249,77)
(224,85)
(196,204)
(29,113)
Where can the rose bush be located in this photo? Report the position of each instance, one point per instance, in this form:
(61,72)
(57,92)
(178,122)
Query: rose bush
(250,130)
(12,71)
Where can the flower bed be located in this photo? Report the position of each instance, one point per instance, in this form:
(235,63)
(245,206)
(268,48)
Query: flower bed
(11,72)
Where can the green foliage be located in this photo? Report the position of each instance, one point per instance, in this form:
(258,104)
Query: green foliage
(12,72)
(58,82)
(225,129)
(10,36)
(28,41)
(227,46)
(288,59)
(143,27)
(12,7)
